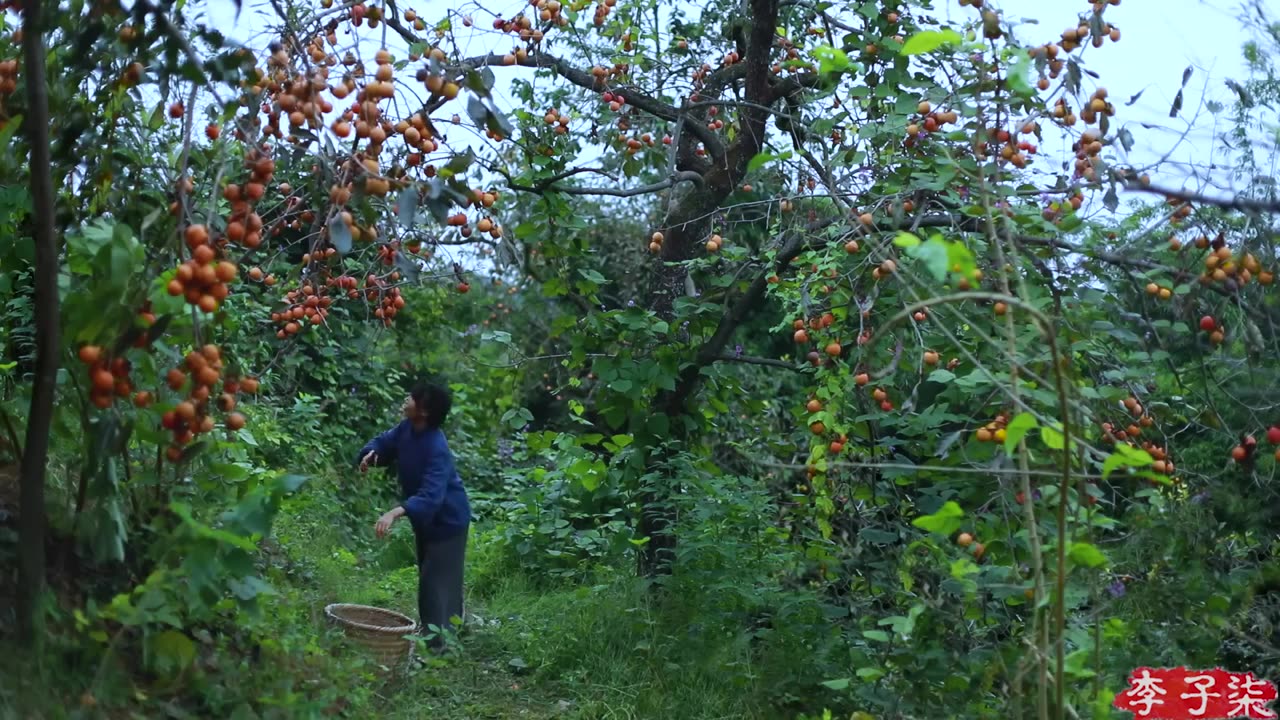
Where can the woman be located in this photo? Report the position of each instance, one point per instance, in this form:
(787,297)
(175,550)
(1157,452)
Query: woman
(433,499)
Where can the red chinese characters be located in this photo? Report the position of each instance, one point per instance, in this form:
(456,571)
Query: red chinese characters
(1183,694)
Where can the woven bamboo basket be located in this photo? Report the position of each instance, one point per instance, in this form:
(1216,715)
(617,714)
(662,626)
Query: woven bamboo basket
(384,632)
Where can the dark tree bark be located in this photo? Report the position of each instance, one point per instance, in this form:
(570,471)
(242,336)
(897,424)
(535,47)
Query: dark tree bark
(31,521)
(684,228)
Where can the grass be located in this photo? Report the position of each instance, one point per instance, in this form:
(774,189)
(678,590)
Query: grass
(533,648)
(600,651)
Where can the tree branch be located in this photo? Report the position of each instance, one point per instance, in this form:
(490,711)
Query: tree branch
(767,362)
(549,186)
(1234,203)
(713,348)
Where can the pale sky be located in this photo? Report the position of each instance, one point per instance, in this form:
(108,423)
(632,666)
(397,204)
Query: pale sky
(1160,38)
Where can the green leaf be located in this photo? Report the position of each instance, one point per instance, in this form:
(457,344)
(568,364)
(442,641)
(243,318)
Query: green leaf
(958,256)
(340,235)
(290,483)
(250,587)
(935,256)
(879,537)
(930,40)
(906,240)
(459,163)
(942,375)
(870,674)
(1019,77)
(407,206)
(1017,429)
(877,635)
(831,60)
(840,684)
(183,511)
(943,522)
(659,425)
(173,651)
(1125,456)
(477,111)
(1111,200)
(156,120)
(1087,555)
(1052,437)
(1126,139)
(762,159)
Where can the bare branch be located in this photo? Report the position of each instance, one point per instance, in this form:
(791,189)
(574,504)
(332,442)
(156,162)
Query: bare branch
(767,362)
(549,186)
(1235,203)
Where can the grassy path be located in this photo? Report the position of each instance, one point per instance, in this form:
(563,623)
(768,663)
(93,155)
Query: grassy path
(485,677)
(599,650)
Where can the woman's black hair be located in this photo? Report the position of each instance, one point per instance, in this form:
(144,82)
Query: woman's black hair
(433,400)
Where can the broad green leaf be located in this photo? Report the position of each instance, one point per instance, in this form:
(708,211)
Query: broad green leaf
(831,60)
(870,674)
(840,684)
(935,256)
(963,567)
(593,276)
(930,40)
(477,111)
(173,651)
(960,259)
(906,240)
(877,635)
(1125,456)
(942,375)
(290,483)
(1019,77)
(943,522)
(407,206)
(763,159)
(1087,555)
(1017,429)
(183,511)
(1052,437)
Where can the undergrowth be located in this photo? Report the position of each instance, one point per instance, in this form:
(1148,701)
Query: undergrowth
(533,647)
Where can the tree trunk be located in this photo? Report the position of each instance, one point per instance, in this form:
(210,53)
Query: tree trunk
(31,522)
(685,227)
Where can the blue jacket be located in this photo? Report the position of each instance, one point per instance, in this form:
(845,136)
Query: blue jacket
(432,493)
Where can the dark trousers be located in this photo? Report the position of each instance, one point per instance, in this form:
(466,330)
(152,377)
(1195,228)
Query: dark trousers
(440,566)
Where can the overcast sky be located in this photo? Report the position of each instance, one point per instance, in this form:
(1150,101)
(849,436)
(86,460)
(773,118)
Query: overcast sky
(1160,38)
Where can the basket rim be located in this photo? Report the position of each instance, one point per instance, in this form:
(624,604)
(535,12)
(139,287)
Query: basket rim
(409,624)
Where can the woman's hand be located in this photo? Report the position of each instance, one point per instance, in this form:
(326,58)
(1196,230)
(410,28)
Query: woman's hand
(384,523)
(372,457)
